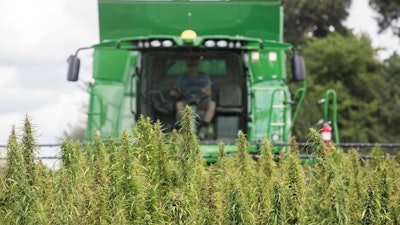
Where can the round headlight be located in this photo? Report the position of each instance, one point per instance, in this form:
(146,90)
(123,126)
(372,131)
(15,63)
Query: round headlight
(146,44)
(209,43)
(238,44)
(275,137)
(167,43)
(140,44)
(155,43)
(222,43)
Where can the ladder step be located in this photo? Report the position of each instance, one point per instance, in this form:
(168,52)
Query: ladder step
(278,124)
(278,106)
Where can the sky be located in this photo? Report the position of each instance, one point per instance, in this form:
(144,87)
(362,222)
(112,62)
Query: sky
(38,36)
(36,39)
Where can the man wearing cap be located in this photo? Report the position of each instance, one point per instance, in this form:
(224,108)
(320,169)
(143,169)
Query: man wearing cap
(194,88)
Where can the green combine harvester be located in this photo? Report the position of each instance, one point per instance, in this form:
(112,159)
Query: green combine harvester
(144,46)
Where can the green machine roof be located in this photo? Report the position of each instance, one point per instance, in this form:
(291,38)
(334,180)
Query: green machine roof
(132,18)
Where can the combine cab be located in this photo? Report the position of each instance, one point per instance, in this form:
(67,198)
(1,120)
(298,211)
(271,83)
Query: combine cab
(144,47)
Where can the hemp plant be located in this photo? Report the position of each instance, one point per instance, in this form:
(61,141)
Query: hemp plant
(30,149)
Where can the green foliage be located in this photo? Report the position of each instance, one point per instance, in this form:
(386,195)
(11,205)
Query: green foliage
(388,14)
(294,188)
(267,163)
(313,18)
(151,178)
(390,99)
(347,65)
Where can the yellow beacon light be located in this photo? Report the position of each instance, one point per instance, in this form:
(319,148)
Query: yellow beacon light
(188,35)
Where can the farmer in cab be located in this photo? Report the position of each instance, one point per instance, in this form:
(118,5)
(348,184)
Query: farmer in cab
(194,88)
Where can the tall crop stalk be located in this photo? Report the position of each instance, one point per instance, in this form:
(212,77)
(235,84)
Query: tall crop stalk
(294,188)
(115,204)
(159,174)
(264,180)
(191,170)
(30,148)
(382,185)
(294,149)
(178,208)
(384,191)
(370,213)
(20,187)
(377,156)
(143,134)
(268,165)
(235,203)
(319,147)
(189,157)
(355,175)
(277,211)
(62,208)
(396,208)
(237,184)
(394,185)
(356,178)
(248,183)
(327,182)
(15,206)
(71,159)
(131,180)
(100,183)
(221,173)
(209,209)
(339,187)
(243,158)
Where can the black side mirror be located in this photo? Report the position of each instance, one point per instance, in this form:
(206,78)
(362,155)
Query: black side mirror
(298,68)
(73,68)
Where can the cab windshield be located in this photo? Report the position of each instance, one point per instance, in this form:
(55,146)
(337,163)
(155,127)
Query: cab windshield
(160,70)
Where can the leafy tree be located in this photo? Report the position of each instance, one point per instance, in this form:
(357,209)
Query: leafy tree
(389,14)
(76,131)
(347,65)
(313,18)
(390,104)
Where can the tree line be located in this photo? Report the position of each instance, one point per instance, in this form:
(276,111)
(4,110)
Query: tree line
(367,93)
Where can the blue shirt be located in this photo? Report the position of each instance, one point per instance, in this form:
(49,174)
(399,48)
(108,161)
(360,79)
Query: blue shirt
(191,86)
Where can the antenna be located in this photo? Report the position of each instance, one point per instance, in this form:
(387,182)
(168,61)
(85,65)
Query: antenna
(189,19)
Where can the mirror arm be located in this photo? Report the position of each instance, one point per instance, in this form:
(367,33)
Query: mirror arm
(294,50)
(79,49)
(73,65)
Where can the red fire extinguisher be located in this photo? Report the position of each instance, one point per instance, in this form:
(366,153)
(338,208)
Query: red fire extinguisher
(326,134)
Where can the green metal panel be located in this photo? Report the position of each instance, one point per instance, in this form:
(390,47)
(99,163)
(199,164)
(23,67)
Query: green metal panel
(104,108)
(269,66)
(270,113)
(110,64)
(260,19)
(110,97)
(109,109)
